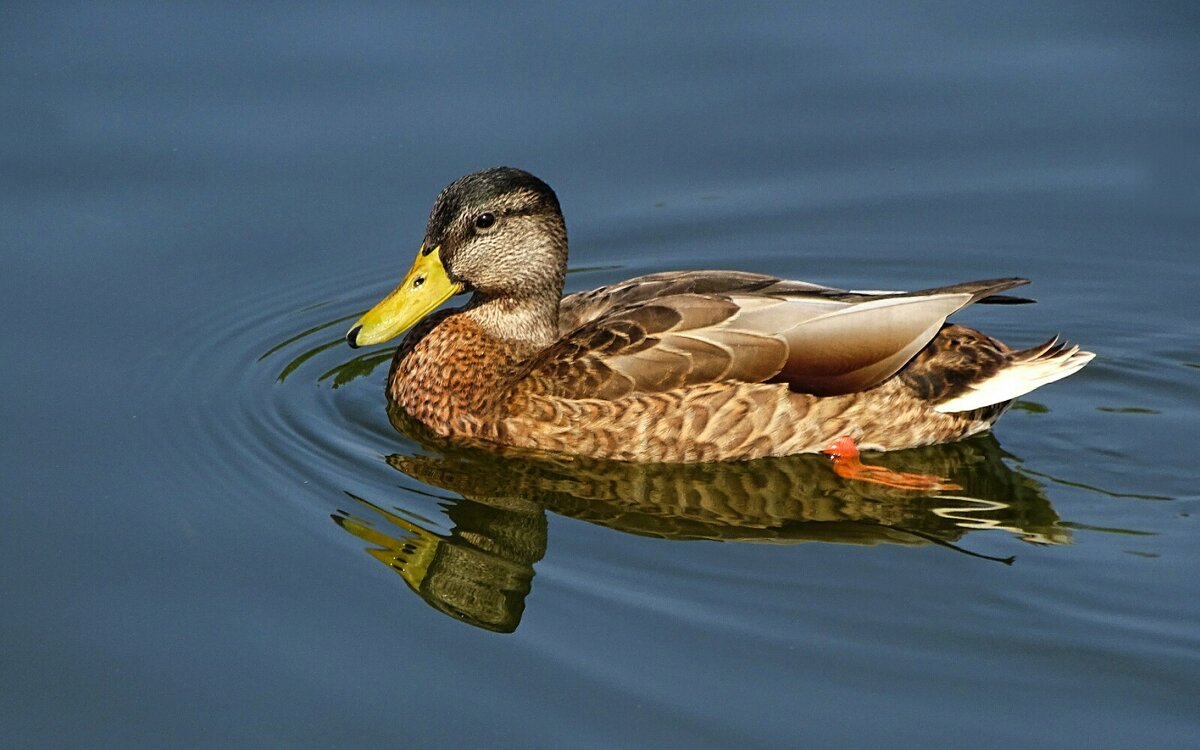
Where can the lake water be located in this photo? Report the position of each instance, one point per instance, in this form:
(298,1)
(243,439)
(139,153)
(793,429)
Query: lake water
(214,536)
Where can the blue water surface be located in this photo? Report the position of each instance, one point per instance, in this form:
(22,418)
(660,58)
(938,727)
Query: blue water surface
(214,536)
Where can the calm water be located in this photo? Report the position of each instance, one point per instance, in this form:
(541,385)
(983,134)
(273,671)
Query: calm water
(214,536)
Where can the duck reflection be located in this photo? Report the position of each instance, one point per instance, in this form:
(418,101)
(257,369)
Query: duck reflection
(481,571)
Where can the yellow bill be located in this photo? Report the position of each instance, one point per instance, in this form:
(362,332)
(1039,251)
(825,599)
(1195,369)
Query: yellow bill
(424,288)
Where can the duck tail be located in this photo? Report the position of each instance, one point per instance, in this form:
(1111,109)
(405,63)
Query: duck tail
(1028,369)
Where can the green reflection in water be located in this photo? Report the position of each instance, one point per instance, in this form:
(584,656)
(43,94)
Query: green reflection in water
(1030,407)
(482,570)
(479,573)
(358,367)
(303,335)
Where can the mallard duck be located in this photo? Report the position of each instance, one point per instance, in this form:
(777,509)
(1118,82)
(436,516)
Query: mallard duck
(680,366)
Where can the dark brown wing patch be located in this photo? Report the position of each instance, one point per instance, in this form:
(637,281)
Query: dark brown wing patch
(956,357)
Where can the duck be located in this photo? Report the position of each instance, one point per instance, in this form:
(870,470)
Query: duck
(677,366)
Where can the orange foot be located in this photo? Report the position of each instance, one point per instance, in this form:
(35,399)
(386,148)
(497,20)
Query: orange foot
(846,464)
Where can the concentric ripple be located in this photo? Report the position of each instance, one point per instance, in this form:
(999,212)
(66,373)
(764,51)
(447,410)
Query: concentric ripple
(255,402)
(269,401)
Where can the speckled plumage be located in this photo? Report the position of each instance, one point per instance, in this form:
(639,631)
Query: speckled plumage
(686,366)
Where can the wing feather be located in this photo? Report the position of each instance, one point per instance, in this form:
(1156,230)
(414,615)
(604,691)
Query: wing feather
(666,331)
(861,345)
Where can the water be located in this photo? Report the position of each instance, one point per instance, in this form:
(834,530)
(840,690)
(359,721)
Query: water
(215,536)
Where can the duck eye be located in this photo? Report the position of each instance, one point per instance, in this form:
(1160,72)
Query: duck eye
(485,220)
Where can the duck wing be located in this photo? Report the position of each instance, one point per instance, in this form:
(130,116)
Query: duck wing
(580,308)
(815,339)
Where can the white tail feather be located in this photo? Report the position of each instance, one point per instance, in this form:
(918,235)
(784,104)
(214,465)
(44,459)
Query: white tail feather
(1029,369)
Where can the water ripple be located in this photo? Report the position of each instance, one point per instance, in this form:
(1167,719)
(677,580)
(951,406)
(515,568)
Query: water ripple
(274,402)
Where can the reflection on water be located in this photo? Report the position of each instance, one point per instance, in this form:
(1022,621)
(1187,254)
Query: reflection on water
(356,367)
(479,573)
(226,179)
(482,570)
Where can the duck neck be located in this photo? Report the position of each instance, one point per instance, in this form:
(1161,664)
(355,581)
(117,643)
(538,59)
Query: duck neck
(528,323)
